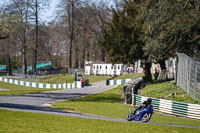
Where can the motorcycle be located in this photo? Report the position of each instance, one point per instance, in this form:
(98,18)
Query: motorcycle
(142,114)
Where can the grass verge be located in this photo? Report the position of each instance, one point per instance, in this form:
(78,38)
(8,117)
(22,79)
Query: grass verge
(55,79)
(93,79)
(17,89)
(70,79)
(166,90)
(22,122)
(109,104)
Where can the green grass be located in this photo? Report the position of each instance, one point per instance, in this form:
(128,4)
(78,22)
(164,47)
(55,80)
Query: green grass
(17,89)
(57,79)
(128,76)
(70,79)
(93,79)
(166,90)
(22,122)
(109,104)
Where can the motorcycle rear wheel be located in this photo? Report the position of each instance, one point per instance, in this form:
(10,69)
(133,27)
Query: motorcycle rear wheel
(146,117)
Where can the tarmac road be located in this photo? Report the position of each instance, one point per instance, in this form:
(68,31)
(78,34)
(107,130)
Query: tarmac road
(38,103)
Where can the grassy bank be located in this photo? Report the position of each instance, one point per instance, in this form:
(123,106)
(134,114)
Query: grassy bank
(17,89)
(109,104)
(21,122)
(166,90)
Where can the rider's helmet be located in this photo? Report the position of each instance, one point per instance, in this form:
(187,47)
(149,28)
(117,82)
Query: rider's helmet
(149,100)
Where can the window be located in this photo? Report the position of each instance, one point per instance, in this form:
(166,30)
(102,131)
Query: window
(97,67)
(118,67)
(111,67)
(100,67)
(94,67)
(106,67)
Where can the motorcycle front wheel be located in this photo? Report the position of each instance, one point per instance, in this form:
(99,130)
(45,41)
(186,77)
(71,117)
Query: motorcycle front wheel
(130,117)
(146,117)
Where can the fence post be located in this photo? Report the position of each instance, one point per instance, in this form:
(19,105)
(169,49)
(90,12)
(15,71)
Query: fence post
(189,71)
(195,86)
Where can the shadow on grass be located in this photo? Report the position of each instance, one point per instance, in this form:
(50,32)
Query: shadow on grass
(54,96)
(35,109)
(158,81)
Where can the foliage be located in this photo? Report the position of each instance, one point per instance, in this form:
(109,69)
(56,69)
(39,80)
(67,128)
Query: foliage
(120,36)
(7,24)
(153,31)
(170,26)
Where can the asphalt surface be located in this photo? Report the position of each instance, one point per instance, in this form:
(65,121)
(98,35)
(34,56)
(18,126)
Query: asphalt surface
(3,89)
(38,103)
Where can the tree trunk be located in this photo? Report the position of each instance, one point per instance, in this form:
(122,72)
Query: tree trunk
(102,54)
(25,64)
(163,75)
(36,39)
(162,64)
(71,30)
(3,37)
(24,53)
(148,76)
(77,56)
(83,56)
(9,65)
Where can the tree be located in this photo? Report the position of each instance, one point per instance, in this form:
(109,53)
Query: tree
(173,29)
(23,9)
(9,28)
(122,36)
(36,6)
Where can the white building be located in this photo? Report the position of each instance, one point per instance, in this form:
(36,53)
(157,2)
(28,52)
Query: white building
(103,69)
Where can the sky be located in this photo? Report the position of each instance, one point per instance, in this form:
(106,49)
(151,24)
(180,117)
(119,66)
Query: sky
(49,13)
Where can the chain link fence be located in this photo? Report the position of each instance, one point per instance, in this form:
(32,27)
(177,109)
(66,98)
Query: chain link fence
(188,75)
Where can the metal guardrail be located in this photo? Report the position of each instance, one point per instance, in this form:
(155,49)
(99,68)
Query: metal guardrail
(171,107)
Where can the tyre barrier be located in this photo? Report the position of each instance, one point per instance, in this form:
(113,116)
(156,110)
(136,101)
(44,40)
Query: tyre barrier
(76,84)
(171,107)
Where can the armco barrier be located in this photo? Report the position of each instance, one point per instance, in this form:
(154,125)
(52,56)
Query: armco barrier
(42,85)
(171,107)
(118,82)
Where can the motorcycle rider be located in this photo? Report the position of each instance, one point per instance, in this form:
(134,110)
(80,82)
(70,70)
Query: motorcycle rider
(145,104)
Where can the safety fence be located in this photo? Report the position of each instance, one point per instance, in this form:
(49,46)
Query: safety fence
(188,76)
(171,107)
(118,82)
(76,84)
